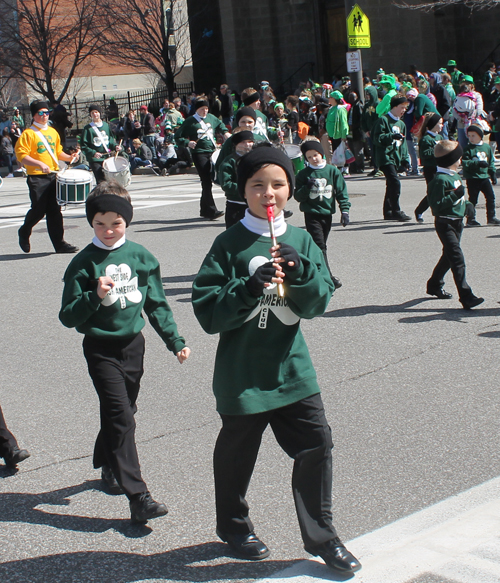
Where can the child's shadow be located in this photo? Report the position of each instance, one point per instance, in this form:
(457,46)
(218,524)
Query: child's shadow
(22,507)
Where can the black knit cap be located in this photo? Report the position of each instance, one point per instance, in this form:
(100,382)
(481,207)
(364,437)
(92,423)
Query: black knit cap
(477,129)
(260,156)
(252,98)
(433,120)
(108,203)
(245,111)
(398,99)
(448,159)
(200,103)
(95,107)
(312,145)
(36,106)
(242,136)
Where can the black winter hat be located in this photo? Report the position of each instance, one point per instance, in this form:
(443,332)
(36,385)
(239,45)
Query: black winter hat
(312,145)
(260,156)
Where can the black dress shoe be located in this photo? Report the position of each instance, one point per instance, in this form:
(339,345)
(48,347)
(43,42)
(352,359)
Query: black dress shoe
(143,508)
(388,216)
(440,293)
(245,546)
(336,556)
(336,282)
(67,248)
(287,214)
(401,216)
(15,456)
(109,481)
(24,243)
(471,302)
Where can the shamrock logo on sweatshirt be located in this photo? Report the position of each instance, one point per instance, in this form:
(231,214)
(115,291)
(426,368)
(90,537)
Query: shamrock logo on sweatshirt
(320,189)
(270,300)
(124,287)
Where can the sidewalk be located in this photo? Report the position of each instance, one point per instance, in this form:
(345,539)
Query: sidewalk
(454,541)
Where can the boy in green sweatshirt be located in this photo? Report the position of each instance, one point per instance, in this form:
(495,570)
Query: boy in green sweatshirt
(253,293)
(446,197)
(107,286)
(478,163)
(317,188)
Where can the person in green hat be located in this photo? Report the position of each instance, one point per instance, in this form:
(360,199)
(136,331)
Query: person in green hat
(336,123)
(388,84)
(455,74)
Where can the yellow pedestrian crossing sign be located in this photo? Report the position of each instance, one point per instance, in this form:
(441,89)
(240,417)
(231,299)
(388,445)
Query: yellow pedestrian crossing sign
(358,29)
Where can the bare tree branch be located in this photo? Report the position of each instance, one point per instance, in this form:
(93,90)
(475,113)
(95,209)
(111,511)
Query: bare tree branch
(45,41)
(430,6)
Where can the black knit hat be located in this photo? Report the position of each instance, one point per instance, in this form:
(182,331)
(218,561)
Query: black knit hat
(398,99)
(477,129)
(245,111)
(252,98)
(312,145)
(106,203)
(260,156)
(95,107)
(242,136)
(200,103)
(36,106)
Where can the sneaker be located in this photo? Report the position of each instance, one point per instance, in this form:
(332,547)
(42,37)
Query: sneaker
(372,173)
(494,221)
(67,248)
(379,174)
(144,508)
(10,175)
(164,172)
(419,218)
(473,223)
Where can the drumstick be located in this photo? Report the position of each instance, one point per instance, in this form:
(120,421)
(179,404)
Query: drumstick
(270,218)
(116,155)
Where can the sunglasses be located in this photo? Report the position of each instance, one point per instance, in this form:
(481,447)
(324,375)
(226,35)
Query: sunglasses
(44,112)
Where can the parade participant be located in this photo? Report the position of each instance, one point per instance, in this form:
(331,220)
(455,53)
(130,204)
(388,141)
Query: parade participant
(391,153)
(197,132)
(235,295)
(251,98)
(242,142)
(479,172)
(336,123)
(368,119)
(317,188)
(39,149)
(388,85)
(106,288)
(428,138)
(97,142)
(447,201)
(9,448)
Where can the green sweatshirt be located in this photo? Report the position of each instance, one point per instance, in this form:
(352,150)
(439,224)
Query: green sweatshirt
(426,149)
(473,154)
(446,195)
(91,144)
(423,105)
(138,287)
(329,185)
(227,149)
(192,131)
(229,179)
(387,150)
(262,360)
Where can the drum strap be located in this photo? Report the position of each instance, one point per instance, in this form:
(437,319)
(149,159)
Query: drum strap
(46,144)
(99,135)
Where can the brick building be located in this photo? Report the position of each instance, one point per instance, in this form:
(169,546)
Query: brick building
(285,41)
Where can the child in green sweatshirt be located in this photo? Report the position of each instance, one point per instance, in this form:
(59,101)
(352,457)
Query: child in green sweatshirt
(446,197)
(317,188)
(107,286)
(253,293)
(479,171)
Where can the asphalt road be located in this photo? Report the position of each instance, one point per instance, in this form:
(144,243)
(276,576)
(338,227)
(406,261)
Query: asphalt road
(409,384)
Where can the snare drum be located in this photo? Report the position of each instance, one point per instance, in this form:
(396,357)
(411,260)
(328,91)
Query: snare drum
(295,155)
(117,169)
(73,186)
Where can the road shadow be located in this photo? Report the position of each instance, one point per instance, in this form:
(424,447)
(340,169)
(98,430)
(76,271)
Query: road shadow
(22,507)
(440,310)
(177,225)
(491,334)
(21,256)
(181,564)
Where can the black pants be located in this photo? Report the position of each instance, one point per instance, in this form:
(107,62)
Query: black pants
(319,227)
(42,190)
(7,440)
(116,369)
(392,189)
(234,213)
(477,185)
(303,433)
(449,232)
(423,205)
(203,164)
(97,170)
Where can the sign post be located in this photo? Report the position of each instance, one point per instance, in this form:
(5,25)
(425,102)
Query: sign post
(358,37)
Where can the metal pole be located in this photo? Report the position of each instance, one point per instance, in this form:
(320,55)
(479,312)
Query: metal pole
(356,77)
